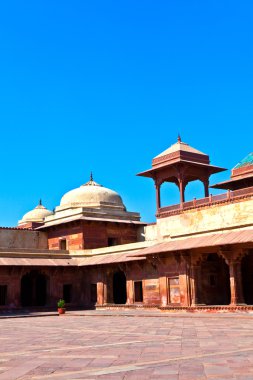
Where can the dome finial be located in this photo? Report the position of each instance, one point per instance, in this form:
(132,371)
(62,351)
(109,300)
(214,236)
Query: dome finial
(91,182)
(40,202)
(179,138)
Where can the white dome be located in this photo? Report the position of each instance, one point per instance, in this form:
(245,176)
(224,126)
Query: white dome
(92,195)
(38,214)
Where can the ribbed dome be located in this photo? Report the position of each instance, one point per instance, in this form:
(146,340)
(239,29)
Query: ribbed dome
(36,215)
(92,195)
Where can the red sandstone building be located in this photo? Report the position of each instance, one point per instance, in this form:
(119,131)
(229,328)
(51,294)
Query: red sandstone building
(93,252)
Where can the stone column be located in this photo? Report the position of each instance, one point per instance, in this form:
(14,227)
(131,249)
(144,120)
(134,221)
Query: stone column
(206,187)
(105,293)
(130,292)
(196,279)
(100,293)
(163,284)
(181,190)
(236,283)
(158,196)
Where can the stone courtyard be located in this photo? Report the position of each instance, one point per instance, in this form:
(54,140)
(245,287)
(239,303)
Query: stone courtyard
(127,345)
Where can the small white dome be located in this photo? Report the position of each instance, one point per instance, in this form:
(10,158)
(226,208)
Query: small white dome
(92,195)
(36,215)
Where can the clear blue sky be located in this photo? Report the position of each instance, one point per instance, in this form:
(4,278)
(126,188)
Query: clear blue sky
(107,85)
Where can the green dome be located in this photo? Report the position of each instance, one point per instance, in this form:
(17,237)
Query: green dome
(247,161)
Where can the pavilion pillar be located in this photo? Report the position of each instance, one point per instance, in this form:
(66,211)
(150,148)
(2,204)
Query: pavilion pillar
(206,187)
(196,281)
(181,190)
(236,283)
(158,195)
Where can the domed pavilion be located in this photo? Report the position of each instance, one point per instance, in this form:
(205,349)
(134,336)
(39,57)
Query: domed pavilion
(35,216)
(91,216)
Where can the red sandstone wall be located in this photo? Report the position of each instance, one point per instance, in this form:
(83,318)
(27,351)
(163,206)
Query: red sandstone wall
(89,235)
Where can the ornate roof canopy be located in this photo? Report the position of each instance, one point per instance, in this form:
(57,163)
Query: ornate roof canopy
(241,175)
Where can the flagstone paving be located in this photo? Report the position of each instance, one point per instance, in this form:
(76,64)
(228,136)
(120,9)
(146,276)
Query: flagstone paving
(142,346)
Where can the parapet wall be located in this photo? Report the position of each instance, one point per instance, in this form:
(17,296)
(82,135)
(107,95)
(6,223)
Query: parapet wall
(19,238)
(207,219)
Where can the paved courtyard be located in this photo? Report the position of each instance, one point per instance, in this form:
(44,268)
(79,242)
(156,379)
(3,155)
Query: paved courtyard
(127,346)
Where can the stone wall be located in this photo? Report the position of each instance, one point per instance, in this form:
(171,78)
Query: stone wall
(89,235)
(213,218)
(151,232)
(55,278)
(19,238)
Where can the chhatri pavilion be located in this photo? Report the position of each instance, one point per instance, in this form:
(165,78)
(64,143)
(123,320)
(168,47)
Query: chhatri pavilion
(93,252)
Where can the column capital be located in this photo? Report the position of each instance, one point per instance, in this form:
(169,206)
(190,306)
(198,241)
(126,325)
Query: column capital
(158,182)
(232,256)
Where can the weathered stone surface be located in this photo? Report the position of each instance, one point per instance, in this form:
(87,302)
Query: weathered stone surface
(88,345)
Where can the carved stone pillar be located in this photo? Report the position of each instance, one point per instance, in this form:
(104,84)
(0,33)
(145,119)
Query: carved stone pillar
(130,292)
(206,187)
(236,283)
(163,290)
(181,190)
(100,293)
(233,259)
(158,195)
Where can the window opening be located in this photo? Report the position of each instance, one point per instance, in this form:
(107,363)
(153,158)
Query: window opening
(112,241)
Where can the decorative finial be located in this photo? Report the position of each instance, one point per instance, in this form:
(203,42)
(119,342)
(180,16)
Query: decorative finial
(91,177)
(179,138)
(40,202)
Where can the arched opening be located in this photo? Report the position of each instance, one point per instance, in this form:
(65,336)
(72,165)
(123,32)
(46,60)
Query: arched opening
(119,288)
(194,189)
(41,290)
(247,277)
(34,289)
(215,281)
(169,194)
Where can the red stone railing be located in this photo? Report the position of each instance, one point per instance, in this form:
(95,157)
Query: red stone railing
(228,197)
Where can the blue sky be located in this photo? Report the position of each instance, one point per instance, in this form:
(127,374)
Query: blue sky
(107,85)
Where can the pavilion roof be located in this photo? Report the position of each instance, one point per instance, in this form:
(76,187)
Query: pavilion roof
(180,146)
(180,153)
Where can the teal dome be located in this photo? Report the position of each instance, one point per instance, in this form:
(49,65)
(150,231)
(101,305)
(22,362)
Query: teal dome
(247,161)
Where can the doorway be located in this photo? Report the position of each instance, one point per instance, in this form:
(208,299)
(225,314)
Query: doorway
(34,289)
(119,288)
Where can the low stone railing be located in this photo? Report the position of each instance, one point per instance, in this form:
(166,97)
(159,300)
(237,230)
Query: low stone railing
(228,197)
